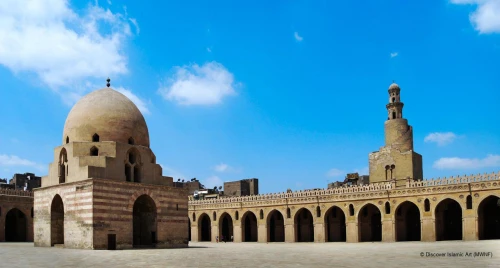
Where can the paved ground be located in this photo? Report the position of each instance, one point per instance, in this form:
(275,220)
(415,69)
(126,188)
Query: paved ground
(403,254)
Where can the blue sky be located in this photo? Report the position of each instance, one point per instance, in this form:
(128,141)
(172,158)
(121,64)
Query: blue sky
(290,92)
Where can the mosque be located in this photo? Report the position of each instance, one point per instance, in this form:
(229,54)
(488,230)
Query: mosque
(396,205)
(104,189)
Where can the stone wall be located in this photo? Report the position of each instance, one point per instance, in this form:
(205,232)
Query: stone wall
(16,199)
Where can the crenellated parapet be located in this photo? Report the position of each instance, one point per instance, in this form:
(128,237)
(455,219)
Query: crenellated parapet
(16,192)
(346,192)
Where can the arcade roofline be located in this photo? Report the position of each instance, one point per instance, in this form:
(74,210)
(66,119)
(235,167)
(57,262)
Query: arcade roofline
(356,188)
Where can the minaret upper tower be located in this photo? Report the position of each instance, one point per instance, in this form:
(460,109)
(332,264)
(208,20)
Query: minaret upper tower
(395,106)
(398,133)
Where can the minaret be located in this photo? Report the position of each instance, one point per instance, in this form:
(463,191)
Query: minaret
(396,161)
(398,134)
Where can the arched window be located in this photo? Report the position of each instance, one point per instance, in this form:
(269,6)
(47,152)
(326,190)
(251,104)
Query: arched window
(288,213)
(387,208)
(133,166)
(94,151)
(215,216)
(427,205)
(469,202)
(237,215)
(137,174)
(318,211)
(393,99)
(194,217)
(67,139)
(128,174)
(393,115)
(95,138)
(63,163)
(351,210)
(176,206)
(261,214)
(131,141)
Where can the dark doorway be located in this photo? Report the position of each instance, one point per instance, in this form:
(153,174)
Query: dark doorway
(370,224)
(144,222)
(249,228)
(489,218)
(275,227)
(111,241)
(335,226)
(225,227)
(304,227)
(15,226)
(57,221)
(189,229)
(448,220)
(408,222)
(205,229)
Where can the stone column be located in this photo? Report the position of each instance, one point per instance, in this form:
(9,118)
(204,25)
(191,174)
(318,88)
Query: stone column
(215,232)
(194,233)
(262,233)
(319,232)
(352,232)
(289,233)
(388,230)
(428,229)
(237,233)
(469,228)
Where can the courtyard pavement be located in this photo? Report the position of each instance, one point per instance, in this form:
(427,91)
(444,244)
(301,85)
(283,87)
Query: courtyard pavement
(402,254)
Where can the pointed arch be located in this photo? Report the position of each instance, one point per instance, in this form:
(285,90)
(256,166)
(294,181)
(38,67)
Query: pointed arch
(304,226)
(407,222)
(204,228)
(488,218)
(95,138)
(226,228)
(249,227)
(448,215)
(275,226)
(56,221)
(335,225)
(369,223)
(94,151)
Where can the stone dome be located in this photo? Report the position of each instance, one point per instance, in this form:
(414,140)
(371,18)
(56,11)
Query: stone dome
(110,115)
(393,86)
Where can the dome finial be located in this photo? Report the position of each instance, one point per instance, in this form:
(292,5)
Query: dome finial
(108,80)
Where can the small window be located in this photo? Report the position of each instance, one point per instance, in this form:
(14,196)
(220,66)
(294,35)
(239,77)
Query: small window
(32,213)
(176,206)
(95,138)
(318,211)
(427,205)
(67,139)
(469,202)
(194,217)
(351,210)
(137,174)
(215,216)
(131,158)
(261,214)
(393,99)
(128,174)
(94,151)
(387,208)
(288,213)
(237,215)
(131,141)
(393,115)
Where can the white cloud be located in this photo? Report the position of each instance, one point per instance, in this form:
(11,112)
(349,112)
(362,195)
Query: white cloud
(297,36)
(65,49)
(441,138)
(394,54)
(213,181)
(136,25)
(199,85)
(141,105)
(221,167)
(486,18)
(16,161)
(489,161)
(334,172)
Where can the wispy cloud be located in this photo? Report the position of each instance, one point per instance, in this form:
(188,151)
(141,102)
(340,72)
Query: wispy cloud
(199,85)
(223,167)
(486,18)
(16,161)
(394,54)
(441,138)
(209,49)
(89,44)
(297,37)
(171,172)
(212,182)
(490,161)
(334,172)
